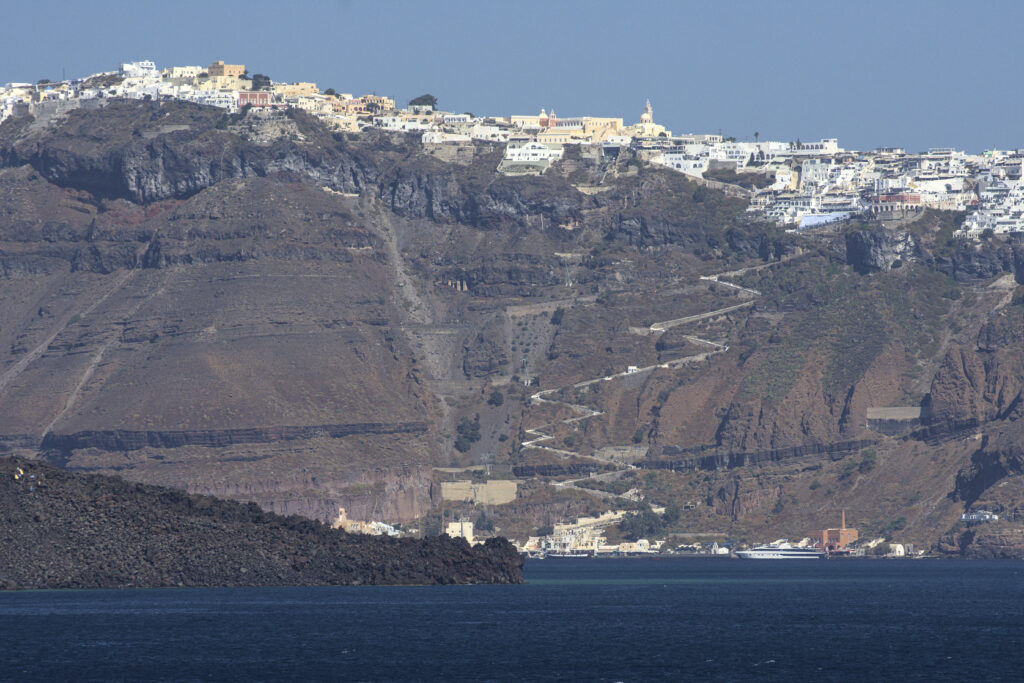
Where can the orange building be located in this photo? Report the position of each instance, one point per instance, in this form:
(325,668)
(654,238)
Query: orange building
(836,539)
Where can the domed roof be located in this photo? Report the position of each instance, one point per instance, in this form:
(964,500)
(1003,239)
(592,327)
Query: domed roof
(648,115)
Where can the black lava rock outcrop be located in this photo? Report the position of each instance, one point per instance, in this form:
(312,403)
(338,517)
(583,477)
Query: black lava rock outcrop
(66,530)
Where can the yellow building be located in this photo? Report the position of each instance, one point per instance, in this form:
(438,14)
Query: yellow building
(341,122)
(576,129)
(595,126)
(563,136)
(296,89)
(493,492)
(223,83)
(318,106)
(647,128)
(461,529)
(363,106)
(219,68)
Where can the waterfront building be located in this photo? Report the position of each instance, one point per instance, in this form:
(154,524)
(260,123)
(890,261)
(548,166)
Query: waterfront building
(836,539)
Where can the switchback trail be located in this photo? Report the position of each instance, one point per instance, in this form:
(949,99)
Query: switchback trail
(582,412)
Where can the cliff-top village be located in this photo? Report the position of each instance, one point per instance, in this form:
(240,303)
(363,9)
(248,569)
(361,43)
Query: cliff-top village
(800,184)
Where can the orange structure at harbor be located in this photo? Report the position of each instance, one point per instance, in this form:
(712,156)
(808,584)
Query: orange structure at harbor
(832,540)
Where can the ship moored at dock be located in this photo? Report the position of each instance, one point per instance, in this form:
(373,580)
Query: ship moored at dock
(781,550)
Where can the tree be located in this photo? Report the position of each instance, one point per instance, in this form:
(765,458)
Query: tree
(330,91)
(497,398)
(427,100)
(556,317)
(671,514)
(469,434)
(483,523)
(642,524)
(261,82)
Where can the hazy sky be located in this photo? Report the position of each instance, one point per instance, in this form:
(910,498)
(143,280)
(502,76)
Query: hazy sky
(921,74)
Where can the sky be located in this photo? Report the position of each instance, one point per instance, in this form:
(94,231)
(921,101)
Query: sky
(932,73)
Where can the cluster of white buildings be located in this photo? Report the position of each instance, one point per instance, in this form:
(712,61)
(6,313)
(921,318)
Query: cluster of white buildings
(371,528)
(586,536)
(809,184)
(228,86)
(801,183)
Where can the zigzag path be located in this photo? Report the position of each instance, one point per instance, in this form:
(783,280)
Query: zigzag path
(585,413)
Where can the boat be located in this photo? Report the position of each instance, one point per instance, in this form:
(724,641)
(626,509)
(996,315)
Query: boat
(782,550)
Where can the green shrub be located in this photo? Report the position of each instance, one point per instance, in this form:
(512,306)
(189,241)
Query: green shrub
(483,523)
(867,461)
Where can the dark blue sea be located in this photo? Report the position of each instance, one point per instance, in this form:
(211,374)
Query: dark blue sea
(590,620)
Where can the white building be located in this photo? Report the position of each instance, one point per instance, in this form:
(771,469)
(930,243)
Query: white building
(436,137)
(531,151)
(225,99)
(482,131)
(182,72)
(979,516)
(399,123)
(142,69)
(461,529)
(689,164)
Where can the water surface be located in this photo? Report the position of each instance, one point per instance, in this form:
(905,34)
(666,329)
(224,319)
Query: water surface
(614,620)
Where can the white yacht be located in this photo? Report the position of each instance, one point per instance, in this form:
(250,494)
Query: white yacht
(781,550)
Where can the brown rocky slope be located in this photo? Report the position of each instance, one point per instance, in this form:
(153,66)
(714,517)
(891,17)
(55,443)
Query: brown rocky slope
(305,323)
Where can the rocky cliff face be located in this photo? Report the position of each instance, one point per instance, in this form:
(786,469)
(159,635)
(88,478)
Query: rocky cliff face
(984,383)
(304,321)
(880,249)
(971,261)
(999,541)
(65,530)
(119,152)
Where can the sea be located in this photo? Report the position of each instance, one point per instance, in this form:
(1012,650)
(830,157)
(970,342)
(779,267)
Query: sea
(630,619)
